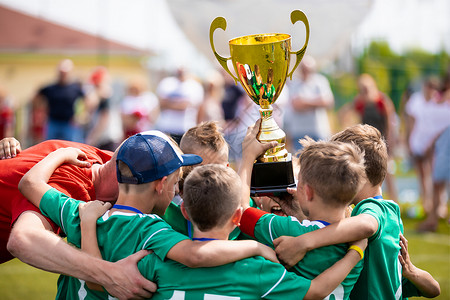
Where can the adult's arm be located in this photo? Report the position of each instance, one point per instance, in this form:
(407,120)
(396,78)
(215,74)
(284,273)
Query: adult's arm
(32,241)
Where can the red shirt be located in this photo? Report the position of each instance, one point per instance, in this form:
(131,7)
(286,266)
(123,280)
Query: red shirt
(73,181)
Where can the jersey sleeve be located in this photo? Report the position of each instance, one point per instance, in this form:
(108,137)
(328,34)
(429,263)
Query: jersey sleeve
(374,208)
(160,238)
(147,266)
(277,283)
(267,227)
(63,210)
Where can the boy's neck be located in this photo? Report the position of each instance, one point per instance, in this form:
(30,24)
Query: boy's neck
(138,201)
(215,233)
(324,212)
(368,191)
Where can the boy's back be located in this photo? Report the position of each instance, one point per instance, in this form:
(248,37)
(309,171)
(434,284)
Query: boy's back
(382,273)
(270,227)
(250,278)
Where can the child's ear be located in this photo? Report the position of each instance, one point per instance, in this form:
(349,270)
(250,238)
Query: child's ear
(160,184)
(309,192)
(236,218)
(184,212)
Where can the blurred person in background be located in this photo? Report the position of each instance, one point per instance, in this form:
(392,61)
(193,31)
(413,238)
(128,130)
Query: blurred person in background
(233,97)
(60,99)
(6,115)
(427,117)
(104,131)
(179,99)
(211,107)
(440,150)
(310,98)
(139,108)
(373,107)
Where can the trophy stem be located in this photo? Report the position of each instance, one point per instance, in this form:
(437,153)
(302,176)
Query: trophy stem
(269,132)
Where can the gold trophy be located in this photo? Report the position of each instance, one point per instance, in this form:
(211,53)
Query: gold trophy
(261,62)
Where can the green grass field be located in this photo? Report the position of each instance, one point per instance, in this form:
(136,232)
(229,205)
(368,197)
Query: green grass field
(429,251)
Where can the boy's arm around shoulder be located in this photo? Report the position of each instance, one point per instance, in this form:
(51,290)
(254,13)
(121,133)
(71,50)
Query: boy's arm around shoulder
(218,252)
(290,250)
(34,184)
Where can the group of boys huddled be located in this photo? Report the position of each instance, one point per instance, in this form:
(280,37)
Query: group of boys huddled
(216,242)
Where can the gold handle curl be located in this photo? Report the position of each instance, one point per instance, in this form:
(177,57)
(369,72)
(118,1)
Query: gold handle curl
(296,16)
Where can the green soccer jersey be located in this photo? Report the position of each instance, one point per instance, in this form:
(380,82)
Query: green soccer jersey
(382,273)
(267,227)
(175,218)
(250,278)
(119,235)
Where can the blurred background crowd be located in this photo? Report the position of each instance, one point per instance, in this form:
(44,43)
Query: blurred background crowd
(97,71)
(65,78)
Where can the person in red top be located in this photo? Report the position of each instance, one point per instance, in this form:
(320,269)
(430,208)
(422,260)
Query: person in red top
(373,107)
(26,234)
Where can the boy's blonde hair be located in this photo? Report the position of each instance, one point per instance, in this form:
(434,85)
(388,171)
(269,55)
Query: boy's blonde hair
(369,140)
(211,195)
(334,170)
(206,135)
(207,141)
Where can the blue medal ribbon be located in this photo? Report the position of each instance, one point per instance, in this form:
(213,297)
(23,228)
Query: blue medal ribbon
(126,207)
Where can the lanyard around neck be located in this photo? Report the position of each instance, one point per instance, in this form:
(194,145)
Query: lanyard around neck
(126,207)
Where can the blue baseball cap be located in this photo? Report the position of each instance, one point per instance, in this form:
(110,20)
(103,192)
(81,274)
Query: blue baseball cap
(151,155)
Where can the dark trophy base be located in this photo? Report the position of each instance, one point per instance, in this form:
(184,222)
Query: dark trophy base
(272,178)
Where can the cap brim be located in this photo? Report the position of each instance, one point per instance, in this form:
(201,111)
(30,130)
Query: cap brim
(191,159)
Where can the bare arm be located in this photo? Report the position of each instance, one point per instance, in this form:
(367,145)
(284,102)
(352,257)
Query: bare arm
(32,241)
(291,250)
(34,184)
(251,149)
(327,281)
(422,280)
(218,252)
(9,147)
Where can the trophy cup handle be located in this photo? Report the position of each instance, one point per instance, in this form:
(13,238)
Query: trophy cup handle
(298,15)
(221,23)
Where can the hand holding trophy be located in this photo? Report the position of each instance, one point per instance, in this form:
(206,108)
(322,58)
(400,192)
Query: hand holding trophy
(261,62)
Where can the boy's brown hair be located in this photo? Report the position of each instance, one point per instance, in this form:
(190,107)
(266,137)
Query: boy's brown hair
(211,195)
(369,140)
(334,170)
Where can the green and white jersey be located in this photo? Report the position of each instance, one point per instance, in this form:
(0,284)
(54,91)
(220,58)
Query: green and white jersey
(175,218)
(119,235)
(381,277)
(268,227)
(250,278)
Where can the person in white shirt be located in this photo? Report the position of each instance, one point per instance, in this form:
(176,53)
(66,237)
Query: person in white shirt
(179,99)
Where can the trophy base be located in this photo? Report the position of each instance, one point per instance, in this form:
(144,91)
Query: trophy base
(272,178)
